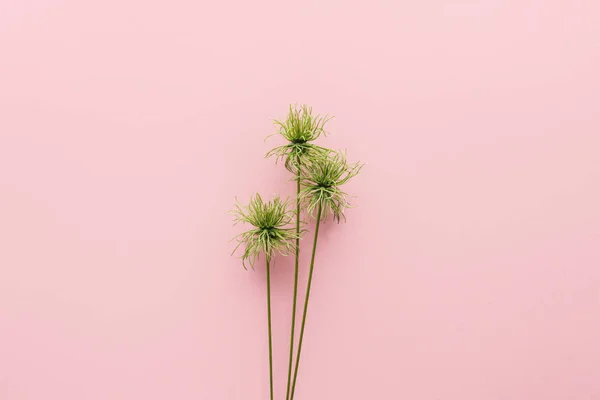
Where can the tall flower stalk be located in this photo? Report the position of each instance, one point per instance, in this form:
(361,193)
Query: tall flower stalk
(270,236)
(299,129)
(322,180)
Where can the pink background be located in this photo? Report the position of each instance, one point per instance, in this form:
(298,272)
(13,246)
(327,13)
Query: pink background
(469,271)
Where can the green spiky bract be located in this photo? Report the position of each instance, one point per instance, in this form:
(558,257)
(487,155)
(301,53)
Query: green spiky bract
(299,129)
(322,180)
(271,234)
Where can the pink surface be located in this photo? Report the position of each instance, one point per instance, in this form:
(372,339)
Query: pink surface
(469,271)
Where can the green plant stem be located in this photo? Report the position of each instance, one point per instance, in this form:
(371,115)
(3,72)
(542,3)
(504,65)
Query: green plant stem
(296,267)
(270,333)
(310,275)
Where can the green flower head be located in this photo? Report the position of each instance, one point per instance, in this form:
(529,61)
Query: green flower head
(270,234)
(300,128)
(322,180)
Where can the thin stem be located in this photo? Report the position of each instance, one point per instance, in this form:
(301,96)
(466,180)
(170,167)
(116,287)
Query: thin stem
(270,333)
(310,275)
(289,381)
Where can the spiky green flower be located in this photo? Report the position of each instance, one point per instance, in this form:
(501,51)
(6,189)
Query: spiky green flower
(270,234)
(300,128)
(322,180)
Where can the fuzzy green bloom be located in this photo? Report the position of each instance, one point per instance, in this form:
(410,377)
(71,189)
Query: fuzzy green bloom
(270,234)
(300,128)
(322,180)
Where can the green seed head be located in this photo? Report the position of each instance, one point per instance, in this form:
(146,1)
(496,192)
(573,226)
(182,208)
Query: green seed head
(322,180)
(270,234)
(300,128)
